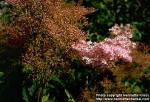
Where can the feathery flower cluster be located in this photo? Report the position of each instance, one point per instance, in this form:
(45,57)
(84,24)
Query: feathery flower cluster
(122,30)
(46,29)
(108,51)
(15,2)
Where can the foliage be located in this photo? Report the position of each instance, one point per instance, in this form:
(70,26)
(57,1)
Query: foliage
(1,77)
(11,69)
(108,12)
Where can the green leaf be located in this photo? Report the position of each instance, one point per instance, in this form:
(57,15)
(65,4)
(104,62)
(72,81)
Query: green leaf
(45,98)
(137,89)
(56,79)
(70,98)
(27,68)
(1,74)
(5,18)
(24,94)
(32,89)
(127,83)
(51,86)
(137,36)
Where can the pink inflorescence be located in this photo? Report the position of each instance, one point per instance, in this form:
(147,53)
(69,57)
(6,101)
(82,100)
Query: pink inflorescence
(108,51)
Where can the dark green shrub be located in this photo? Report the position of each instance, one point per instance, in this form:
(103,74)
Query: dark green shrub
(120,11)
